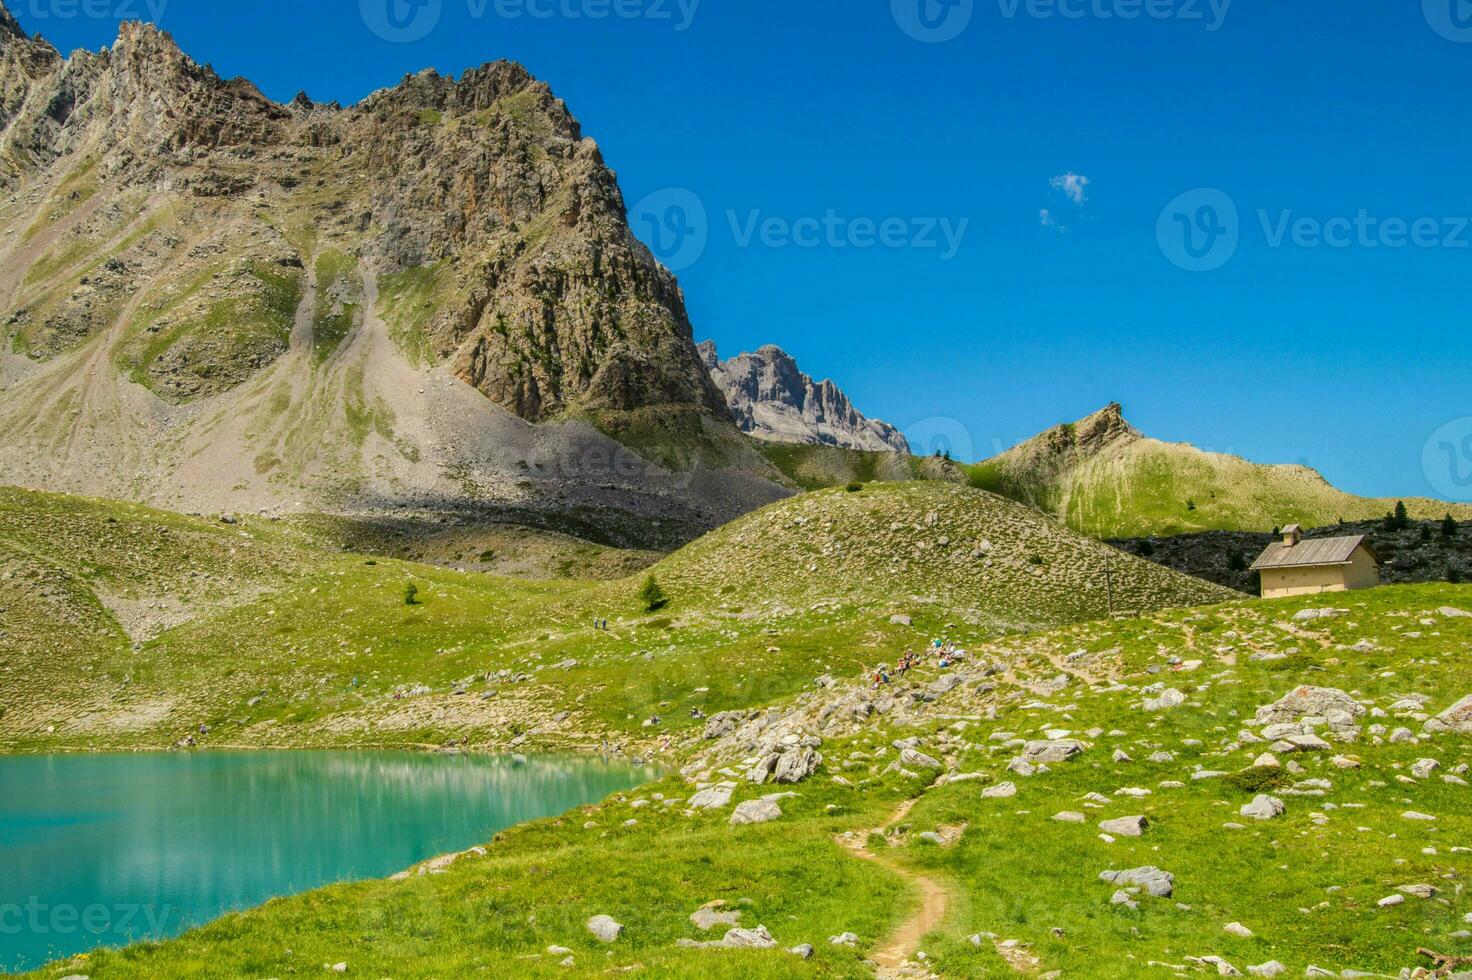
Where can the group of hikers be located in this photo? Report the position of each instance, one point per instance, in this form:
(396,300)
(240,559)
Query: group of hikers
(944,652)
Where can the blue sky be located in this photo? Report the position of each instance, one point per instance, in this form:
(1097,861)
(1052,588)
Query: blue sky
(1346,356)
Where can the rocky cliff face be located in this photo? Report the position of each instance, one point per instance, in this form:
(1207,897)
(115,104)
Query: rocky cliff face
(542,298)
(771,398)
(207,294)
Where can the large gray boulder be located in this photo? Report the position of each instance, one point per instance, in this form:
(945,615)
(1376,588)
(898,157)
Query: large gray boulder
(915,759)
(796,765)
(1457,718)
(1050,752)
(1264,807)
(604,928)
(758,938)
(1125,826)
(712,797)
(1306,702)
(755,811)
(1159,883)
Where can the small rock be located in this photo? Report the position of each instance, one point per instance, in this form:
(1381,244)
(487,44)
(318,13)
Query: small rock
(1124,826)
(1264,807)
(755,811)
(604,928)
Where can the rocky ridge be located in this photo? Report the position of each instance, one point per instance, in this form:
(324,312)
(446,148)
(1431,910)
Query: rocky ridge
(771,398)
(212,300)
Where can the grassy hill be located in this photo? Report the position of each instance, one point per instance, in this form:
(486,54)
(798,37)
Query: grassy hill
(1102,477)
(920,830)
(131,627)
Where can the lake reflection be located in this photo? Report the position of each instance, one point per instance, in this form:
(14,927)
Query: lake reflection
(104,850)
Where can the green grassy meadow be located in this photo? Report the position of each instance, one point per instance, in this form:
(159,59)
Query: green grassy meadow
(271,637)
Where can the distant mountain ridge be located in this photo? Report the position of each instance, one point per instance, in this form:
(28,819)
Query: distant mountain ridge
(773,399)
(1102,476)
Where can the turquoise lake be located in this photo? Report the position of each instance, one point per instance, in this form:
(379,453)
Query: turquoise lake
(106,850)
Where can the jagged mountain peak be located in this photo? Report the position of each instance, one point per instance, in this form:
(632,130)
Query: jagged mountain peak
(9,26)
(771,398)
(185,243)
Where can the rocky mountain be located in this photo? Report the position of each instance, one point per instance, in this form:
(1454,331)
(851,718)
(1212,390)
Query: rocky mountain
(210,299)
(772,399)
(1101,476)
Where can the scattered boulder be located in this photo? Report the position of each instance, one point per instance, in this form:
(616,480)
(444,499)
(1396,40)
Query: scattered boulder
(712,797)
(1124,826)
(1156,882)
(915,759)
(1457,718)
(999,791)
(707,917)
(758,938)
(1264,807)
(604,928)
(1305,702)
(796,765)
(1167,699)
(755,811)
(1048,752)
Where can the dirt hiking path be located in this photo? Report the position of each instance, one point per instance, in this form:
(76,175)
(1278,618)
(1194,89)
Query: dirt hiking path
(893,959)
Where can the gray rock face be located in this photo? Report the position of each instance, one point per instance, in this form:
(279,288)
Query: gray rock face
(1459,716)
(772,399)
(796,765)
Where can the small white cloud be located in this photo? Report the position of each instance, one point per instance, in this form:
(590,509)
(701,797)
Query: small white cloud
(1045,217)
(1071,186)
